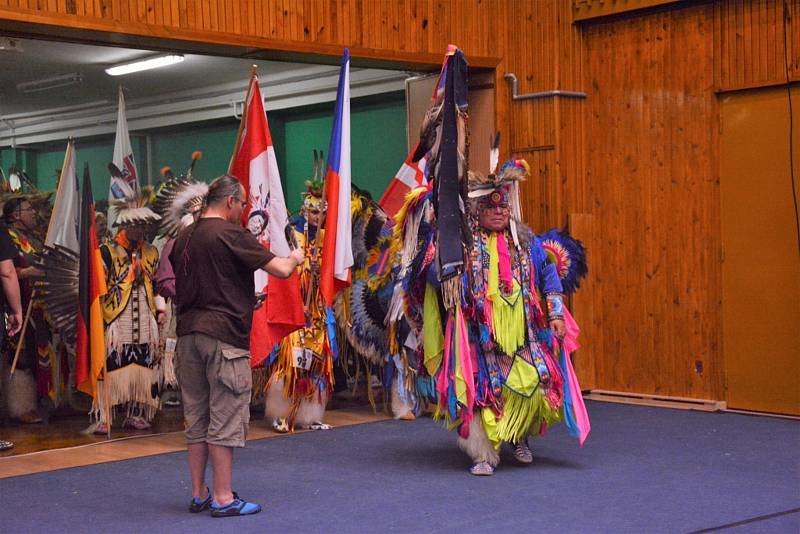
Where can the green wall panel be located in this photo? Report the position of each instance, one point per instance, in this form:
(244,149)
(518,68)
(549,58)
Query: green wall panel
(98,152)
(378,142)
(174,148)
(378,145)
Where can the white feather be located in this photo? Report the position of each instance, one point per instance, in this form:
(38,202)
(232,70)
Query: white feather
(136,215)
(494,157)
(177,209)
(14,182)
(516,211)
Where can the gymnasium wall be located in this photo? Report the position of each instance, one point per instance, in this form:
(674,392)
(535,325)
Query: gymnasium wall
(633,167)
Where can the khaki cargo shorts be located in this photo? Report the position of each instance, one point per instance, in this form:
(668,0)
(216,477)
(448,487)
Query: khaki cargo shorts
(215,381)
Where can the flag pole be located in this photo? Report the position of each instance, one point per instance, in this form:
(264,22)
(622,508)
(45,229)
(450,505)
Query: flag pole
(22,333)
(317,237)
(107,400)
(243,121)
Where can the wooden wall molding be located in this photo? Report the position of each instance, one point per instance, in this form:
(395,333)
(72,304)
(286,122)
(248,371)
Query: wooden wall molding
(33,24)
(592,9)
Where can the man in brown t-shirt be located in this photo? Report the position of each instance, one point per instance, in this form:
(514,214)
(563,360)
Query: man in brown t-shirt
(214,260)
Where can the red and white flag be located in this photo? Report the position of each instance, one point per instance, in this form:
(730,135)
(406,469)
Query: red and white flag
(254,164)
(337,248)
(410,176)
(123,160)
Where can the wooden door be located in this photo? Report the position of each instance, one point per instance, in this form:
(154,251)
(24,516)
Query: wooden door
(761,262)
(481,114)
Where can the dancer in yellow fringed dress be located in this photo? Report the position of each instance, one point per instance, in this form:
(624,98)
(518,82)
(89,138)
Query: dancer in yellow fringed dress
(302,373)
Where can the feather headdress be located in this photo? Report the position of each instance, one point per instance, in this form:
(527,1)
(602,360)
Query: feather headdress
(178,197)
(499,189)
(312,196)
(513,171)
(132,208)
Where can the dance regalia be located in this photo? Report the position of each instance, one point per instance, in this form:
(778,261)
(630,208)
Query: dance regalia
(503,330)
(301,379)
(361,308)
(479,296)
(302,374)
(40,354)
(132,333)
(129,313)
(491,365)
(177,200)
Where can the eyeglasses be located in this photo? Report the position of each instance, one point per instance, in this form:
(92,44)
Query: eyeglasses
(239,200)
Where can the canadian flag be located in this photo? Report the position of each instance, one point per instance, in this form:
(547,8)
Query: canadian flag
(254,164)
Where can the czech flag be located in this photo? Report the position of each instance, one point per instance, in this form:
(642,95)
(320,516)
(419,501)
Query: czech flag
(337,248)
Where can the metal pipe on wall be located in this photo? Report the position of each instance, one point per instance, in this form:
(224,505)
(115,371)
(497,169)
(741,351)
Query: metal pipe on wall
(512,79)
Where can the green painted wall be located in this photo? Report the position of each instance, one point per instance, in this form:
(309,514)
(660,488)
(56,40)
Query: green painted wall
(97,151)
(174,148)
(378,143)
(22,158)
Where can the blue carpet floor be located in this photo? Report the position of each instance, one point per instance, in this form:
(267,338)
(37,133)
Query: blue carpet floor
(642,470)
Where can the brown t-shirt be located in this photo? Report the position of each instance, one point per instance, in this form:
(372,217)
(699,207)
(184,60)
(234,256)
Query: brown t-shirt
(214,261)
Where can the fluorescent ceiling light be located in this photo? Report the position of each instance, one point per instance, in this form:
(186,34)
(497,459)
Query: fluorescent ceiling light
(10,45)
(50,83)
(145,64)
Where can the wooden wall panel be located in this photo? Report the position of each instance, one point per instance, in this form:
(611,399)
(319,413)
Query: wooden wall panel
(652,167)
(372,28)
(749,43)
(589,9)
(533,41)
(540,191)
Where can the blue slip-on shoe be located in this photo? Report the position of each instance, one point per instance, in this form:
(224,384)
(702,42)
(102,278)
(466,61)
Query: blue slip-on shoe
(236,507)
(199,505)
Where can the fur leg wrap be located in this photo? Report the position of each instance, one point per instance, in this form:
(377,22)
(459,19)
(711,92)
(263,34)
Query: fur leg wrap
(277,406)
(401,407)
(311,411)
(21,393)
(477,445)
